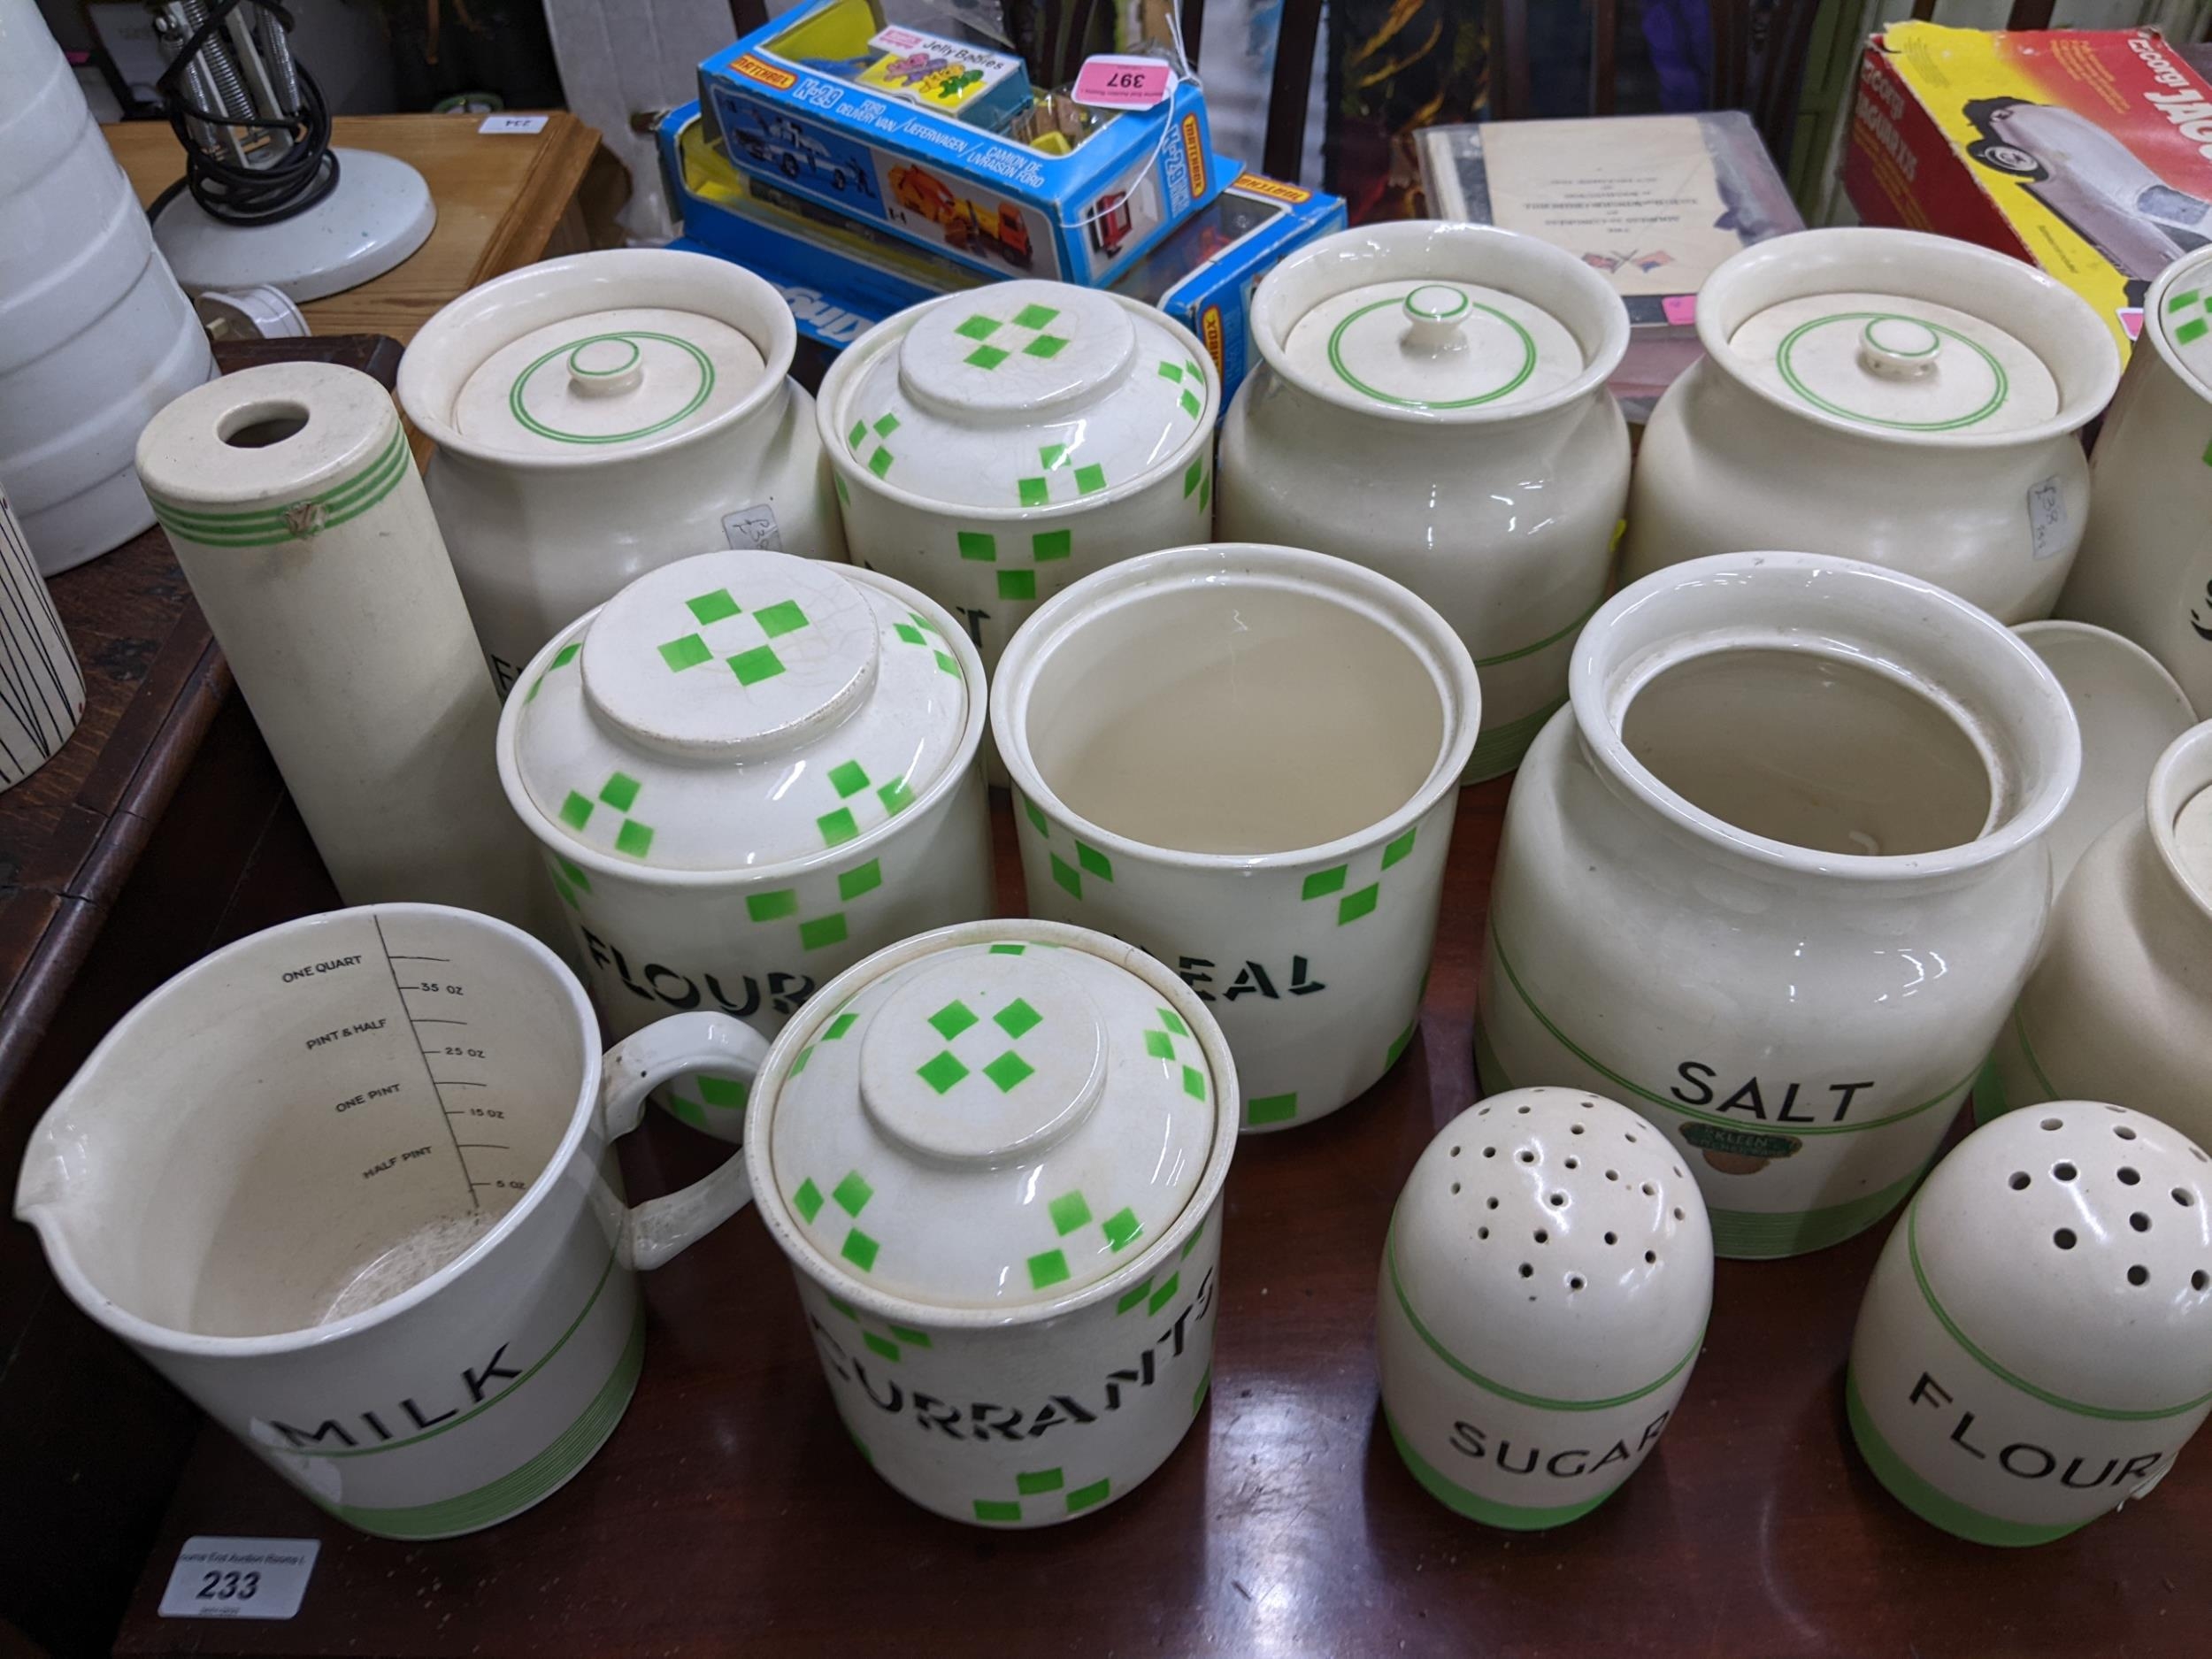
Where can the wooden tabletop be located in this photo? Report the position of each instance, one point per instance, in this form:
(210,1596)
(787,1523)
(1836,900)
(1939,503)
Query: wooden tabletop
(730,1513)
(504,199)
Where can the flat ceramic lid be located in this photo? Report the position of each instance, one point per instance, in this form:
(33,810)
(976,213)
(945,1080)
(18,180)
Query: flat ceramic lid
(2186,319)
(1434,345)
(994,1125)
(738,709)
(607,377)
(1896,365)
(1025,394)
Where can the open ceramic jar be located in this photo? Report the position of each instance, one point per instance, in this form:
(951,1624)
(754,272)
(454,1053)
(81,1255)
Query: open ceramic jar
(602,414)
(1776,875)
(747,772)
(994,1156)
(1432,405)
(992,446)
(1886,396)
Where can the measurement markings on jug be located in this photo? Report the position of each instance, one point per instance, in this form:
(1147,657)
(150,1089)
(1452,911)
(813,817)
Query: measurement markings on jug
(426,984)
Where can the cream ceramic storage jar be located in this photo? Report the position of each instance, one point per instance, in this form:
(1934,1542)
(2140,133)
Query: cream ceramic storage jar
(1431,404)
(602,414)
(2035,1348)
(995,1155)
(748,771)
(2144,569)
(1776,874)
(1886,396)
(994,445)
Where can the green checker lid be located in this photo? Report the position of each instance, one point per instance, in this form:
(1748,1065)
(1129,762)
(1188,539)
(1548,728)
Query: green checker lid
(2181,311)
(995,1123)
(739,710)
(1022,395)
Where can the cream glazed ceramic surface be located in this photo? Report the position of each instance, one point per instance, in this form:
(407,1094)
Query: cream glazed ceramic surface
(995,445)
(995,1155)
(1433,403)
(749,771)
(599,415)
(2120,1004)
(1881,395)
(1246,760)
(349,1185)
(1792,952)
(1544,1288)
(2144,569)
(2035,1348)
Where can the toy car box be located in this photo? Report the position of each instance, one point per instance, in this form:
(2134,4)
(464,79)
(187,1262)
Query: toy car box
(2086,152)
(843,275)
(946,142)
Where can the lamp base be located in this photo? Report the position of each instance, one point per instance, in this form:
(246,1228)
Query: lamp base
(380,213)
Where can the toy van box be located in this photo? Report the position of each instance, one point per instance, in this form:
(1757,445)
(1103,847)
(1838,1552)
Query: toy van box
(843,275)
(950,146)
(2087,153)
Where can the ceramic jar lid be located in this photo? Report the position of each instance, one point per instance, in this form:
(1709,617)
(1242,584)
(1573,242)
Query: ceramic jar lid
(993,1123)
(1023,394)
(2181,311)
(607,377)
(1430,343)
(739,710)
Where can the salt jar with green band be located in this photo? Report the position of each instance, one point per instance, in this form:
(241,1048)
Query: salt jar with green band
(1431,404)
(992,446)
(1881,395)
(748,771)
(2035,1347)
(1776,875)
(599,415)
(1544,1288)
(995,1155)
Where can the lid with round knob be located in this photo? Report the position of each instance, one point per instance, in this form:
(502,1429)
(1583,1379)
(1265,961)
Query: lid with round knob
(1552,1241)
(737,711)
(2070,1246)
(1020,395)
(997,1117)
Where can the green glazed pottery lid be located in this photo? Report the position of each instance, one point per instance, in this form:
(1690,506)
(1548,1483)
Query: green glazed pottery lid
(1435,343)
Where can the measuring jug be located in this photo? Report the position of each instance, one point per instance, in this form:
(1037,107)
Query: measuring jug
(347,1184)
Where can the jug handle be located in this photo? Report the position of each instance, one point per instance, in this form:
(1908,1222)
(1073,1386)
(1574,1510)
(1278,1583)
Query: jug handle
(717,1045)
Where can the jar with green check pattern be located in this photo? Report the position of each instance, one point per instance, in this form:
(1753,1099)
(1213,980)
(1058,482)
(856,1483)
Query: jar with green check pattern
(748,771)
(995,1155)
(994,445)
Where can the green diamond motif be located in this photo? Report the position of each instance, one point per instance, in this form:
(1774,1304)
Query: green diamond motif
(886,425)
(1043,1480)
(826,930)
(852,1194)
(1193,1082)
(1355,905)
(711,607)
(1171,371)
(880,1345)
(912,1338)
(1192,474)
(1083,1497)
(2194,329)
(1046,1269)
(1191,405)
(879,460)
(1046,346)
(1196,374)
(572,872)
(977,327)
(1048,545)
(1134,1297)
(688,652)
(1399,848)
(688,1112)
(843,493)
(721,1091)
(772,906)
(2182,301)
(751,667)
(987,357)
(1068,1212)
(907,632)
(781,618)
(1033,491)
(1008,950)
(1165,1294)
(1052,455)
(1067,876)
(942,1071)
(854,438)
(1036,818)
(576,810)
(1017,1019)
(946,662)
(1090,480)
(1159,1045)
(1008,1071)
(1033,316)
(1323,882)
(1094,861)
(896,796)
(808,1200)
(975,545)
(1270,1109)
(837,827)
(619,791)
(849,779)
(1121,1227)
(1167,1018)
(994,1509)
(860,1250)
(953,1018)
(1017,584)
(839,1027)
(799,1064)
(563,658)
(633,839)
(1191,1243)
(866,878)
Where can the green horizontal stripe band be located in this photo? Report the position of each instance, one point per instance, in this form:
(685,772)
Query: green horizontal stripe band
(2027,1053)
(339,496)
(1936,1508)
(1499,749)
(1989,1095)
(1497,940)
(1943,1318)
(1550,640)
(1759,1235)
(1476,1507)
(521,1487)
(1541,1401)
(370,492)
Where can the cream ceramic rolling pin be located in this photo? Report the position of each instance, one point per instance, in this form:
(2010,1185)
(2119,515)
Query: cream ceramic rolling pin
(295,511)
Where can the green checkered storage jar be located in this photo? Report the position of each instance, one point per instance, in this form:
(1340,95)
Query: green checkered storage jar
(994,445)
(747,770)
(995,1155)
